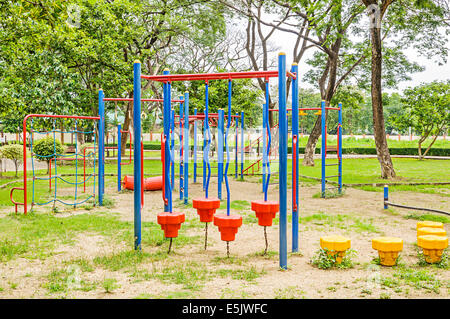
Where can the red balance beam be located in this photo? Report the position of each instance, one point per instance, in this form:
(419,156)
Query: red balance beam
(213,76)
(126,99)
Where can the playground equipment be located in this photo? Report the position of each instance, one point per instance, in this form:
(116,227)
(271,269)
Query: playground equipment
(429,224)
(336,246)
(102,100)
(167,79)
(325,149)
(433,247)
(431,231)
(388,249)
(98,130)
(214,119)
(387,203)
(150,184)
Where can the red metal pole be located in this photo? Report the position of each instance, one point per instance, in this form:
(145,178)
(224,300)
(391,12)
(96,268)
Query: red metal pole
(294,173)
(142,174)
(50,175)
(84,170)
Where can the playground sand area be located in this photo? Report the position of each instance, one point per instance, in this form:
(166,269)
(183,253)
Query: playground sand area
(190,271)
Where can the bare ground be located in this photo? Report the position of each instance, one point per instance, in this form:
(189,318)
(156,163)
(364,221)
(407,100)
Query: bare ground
(232,277)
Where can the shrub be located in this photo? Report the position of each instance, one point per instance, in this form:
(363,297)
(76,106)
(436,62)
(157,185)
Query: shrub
(47,148)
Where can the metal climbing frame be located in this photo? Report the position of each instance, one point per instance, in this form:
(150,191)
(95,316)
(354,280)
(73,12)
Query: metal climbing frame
(101,123)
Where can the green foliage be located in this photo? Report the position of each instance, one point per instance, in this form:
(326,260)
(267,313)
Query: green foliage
(110,284)
(426,110)
(326,259)
(47,148)
(12,152)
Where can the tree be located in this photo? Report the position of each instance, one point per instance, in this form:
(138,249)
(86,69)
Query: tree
(13,152)
(408,20)
(47,149)
(426,110)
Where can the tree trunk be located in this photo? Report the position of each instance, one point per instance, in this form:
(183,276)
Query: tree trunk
(310,147)
(384,157)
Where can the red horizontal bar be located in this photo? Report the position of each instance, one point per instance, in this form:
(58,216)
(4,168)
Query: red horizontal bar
(124,99)
(317,108)
(62,116)
(202,116)
(276,110)
(211,76)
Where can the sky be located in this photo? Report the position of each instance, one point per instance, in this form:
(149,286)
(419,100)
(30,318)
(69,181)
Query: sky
(432,71)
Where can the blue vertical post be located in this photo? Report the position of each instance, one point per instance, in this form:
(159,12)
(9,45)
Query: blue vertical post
(137,153)
(283,159)
(181,167)
(242,145)
(209,138)
(323,147)
(220,127)
(166,133)
(236,147)
(195,146)
(386,196)
(266,141)
(294,70)
(230,86)
(172,143)
(101,147)
(186,147)
(264,146)
(204,155)
(119,157)
(340,148)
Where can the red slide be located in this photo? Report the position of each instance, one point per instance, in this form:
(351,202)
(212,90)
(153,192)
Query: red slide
(150,184)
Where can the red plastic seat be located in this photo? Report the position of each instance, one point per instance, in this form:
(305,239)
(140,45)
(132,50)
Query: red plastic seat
(228,225)
(206,208)
(265,211)
(170,223)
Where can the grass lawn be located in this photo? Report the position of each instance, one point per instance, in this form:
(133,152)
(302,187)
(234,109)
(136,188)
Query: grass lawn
(365,170)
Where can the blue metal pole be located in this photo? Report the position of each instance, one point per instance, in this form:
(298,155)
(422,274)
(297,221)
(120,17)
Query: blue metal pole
(195,146)
(181,173)
(323,148)
(119,157)
(264,146)
(204,156)
(283,158)
(386,196)
(101,147)
(220,127)
(267,141)
(209,137)
(295,164)
(166,133)
(236,148)
(186,147)
(137,153)
(172,143)
(242,145)
(230,84)
(340,148)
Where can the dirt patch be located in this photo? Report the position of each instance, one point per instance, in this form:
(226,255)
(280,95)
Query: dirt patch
(192,272)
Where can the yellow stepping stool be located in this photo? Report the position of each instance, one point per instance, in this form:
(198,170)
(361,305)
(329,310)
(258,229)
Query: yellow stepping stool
(335,245)
(388,249)
(432,246)
(428,223)
(431,231)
